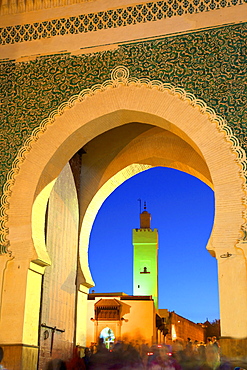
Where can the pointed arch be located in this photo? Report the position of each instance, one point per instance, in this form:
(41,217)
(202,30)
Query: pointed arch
(118,101)
(113,104)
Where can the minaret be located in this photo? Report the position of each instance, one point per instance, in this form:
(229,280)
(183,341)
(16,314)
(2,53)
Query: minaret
(145,258)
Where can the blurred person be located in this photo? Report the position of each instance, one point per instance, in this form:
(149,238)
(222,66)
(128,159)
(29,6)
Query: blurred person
(132,358)
(76,362)
(189,358)
(137,346)
(213,360)
(56,363)
(189,350)
(177,346)
(152,354)
(215,342)
(144,352)
(162,361)
(195,346)
(101,358)
(202,352)
(1,358)
(117,356)
(86,358)
(209,341)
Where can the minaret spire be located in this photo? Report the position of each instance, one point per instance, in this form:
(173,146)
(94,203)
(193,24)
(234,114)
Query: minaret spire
(145,218)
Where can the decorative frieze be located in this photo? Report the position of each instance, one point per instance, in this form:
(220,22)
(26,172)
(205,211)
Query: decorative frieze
(112,18)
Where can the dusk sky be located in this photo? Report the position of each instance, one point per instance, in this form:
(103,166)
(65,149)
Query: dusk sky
(182,209)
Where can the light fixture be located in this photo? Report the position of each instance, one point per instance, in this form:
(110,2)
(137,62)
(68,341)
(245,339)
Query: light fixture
(226,255)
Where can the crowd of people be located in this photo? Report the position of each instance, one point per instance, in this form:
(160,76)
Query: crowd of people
(127,356)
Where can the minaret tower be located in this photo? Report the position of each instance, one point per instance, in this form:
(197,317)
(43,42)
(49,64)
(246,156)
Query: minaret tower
(145,258)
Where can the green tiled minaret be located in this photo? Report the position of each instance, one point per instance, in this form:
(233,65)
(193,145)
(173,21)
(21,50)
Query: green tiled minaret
(145,258)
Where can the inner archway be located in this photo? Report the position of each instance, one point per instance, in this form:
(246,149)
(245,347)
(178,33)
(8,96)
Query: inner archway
(122,152)
(182,209)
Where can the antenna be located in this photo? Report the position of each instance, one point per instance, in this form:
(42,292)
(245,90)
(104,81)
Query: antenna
(140,201)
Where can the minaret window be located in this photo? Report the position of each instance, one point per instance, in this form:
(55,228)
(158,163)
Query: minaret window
(145,271)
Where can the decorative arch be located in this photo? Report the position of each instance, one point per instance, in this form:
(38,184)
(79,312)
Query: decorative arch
(121,100)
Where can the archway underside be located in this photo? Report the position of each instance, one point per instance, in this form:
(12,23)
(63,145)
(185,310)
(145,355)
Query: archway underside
(120,153)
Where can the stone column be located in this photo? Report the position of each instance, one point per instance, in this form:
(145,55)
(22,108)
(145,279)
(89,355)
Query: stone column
(232,276)
(81,320)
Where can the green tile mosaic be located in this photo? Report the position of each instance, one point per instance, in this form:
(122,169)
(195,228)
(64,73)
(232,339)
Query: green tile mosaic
(211,64)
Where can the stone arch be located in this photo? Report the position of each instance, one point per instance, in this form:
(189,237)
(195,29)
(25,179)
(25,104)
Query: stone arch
(116,102)
(47,151)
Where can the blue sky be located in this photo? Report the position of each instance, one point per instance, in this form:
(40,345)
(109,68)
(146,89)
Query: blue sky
(182,209)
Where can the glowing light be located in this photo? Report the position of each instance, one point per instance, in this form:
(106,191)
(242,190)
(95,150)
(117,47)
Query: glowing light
(174,334)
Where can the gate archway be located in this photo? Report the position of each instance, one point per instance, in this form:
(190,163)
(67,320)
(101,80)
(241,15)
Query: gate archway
(218,160)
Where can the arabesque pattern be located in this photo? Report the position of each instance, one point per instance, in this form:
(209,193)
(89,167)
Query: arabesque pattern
(210,64)
(21,6)
(112,18)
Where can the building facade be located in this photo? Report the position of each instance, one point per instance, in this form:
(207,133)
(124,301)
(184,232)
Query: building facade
(129,318)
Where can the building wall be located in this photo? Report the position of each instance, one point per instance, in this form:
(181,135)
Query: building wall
(182,329)
(140,321)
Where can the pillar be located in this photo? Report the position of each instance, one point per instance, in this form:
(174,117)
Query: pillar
(20,308)
(232,277)
(81,316)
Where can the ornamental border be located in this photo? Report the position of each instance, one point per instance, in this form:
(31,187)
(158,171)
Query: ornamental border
(119,77)
(112,18)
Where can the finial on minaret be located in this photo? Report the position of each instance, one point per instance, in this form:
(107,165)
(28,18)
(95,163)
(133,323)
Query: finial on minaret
(145,206)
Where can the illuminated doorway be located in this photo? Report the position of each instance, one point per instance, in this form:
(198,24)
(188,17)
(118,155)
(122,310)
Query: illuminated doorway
(108,337)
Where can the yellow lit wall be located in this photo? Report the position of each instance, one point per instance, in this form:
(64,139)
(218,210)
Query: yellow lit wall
(145,253)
